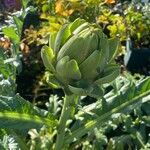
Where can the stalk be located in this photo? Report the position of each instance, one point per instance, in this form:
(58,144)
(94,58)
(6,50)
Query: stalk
(70,102)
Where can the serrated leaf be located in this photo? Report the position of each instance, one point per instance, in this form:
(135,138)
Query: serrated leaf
(19,121)
(20,105)
(116,104)
(15,103)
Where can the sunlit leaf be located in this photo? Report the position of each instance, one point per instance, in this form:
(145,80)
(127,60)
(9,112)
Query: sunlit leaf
(14,120)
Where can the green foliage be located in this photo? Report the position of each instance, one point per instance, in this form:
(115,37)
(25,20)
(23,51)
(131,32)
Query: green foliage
(116,119)
(21,121)
(10,32)
(8,142)
(127,20)
(125,100)
(5,86)
(6,70)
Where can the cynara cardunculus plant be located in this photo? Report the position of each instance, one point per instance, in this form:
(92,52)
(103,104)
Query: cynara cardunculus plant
(80,59)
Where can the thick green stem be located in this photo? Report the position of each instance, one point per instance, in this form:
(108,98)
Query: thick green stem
(67,110)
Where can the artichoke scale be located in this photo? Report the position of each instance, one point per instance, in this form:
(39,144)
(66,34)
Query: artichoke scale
(81,87)
(60,66)
(47,57)
(77,23)
(89,66)
(72,70)
(113,47)
(77,91)
(68,69)
(81,28)
(52,81)
(97,92)
(90,45)
(104,53)
(61,36)
(71,47)
(109,75)
(52,40)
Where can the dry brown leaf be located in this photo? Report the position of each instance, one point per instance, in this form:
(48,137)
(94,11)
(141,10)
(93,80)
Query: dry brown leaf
(5,43)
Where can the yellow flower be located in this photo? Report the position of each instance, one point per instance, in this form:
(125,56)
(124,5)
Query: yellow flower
(61,10)
(103,19)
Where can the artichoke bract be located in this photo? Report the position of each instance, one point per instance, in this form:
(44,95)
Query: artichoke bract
(80,58)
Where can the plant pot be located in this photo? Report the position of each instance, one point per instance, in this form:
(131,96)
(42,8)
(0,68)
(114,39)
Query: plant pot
(137,60)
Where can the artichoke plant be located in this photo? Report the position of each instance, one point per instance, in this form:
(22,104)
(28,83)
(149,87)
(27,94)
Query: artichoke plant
(80,58)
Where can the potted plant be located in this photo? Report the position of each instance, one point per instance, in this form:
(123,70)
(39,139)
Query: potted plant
(137,58)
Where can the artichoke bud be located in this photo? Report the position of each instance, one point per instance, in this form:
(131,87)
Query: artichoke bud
(48,58)
(80,57)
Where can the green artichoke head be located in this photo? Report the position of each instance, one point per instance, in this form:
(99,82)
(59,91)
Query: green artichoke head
(80,58)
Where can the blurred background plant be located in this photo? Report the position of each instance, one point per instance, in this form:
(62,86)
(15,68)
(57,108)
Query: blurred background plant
(127,20)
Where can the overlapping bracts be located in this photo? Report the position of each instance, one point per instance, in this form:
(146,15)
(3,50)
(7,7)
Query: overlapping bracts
(80,58)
